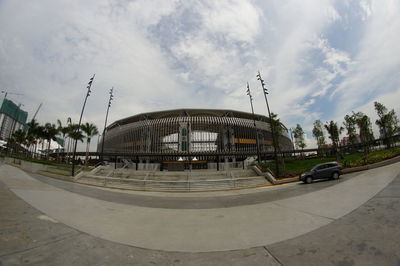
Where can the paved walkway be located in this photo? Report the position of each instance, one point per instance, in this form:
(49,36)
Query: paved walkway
(199,230)
(365,236)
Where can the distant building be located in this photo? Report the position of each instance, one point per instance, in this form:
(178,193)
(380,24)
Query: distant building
(346,140)
(12,118)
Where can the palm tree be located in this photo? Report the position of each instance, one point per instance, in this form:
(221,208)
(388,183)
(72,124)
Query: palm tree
(90,131)
(74,133)
(32,134)
(19,138)
(50,133)
(41,136)
(30,142)
(63,130)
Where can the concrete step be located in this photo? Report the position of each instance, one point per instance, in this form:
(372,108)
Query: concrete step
(57,170)
(251,181)
(244,173)
(175,183)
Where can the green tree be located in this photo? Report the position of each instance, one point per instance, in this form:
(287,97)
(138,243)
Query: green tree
(75,134)
(41,136)
(50,133)
(63,131)
(334,133)
(318,132)
(364,125)
(32,134)
(90,130)
(278,131)
(350,126)
(388,122)
(298,134)
(19,139)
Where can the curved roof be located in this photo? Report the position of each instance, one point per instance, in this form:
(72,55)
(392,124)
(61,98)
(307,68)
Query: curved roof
(187,112)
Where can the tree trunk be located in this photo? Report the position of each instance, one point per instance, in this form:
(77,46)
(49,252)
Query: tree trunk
(42,149)
(87,152)
(48,149)
(64,138)
(69,142)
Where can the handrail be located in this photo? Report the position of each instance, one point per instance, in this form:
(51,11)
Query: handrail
(79,170)
(98,164)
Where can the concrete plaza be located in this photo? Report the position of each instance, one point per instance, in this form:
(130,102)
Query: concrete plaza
(345,222)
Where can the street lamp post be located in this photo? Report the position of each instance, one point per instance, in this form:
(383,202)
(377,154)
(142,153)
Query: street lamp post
(265,91)
(254,121)
(105,122)
(80,121)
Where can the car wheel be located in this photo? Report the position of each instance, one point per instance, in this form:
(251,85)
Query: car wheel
(308,180)
(335,175)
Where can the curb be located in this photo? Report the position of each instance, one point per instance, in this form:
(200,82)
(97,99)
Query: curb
(371,166)
(344,171)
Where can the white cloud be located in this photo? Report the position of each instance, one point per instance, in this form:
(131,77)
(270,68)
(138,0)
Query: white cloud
(376,66)
(237,20)
(170,54)
(366,8)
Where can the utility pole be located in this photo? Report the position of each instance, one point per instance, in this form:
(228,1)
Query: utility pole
(80,121)
(265,91)
(254,121)
(105,123)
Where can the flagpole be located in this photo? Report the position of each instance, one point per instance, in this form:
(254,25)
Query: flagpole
(265,91)
(79,124)
(105,123)
(254,121)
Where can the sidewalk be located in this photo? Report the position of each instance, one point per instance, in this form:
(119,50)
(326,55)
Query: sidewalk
(199,230)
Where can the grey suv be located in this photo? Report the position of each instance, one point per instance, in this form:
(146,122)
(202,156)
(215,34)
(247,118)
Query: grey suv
(321,171)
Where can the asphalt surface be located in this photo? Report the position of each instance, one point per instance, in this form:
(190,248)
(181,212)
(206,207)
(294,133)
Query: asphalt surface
(369,235)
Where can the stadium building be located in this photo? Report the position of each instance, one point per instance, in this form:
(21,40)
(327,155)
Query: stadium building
(192,134)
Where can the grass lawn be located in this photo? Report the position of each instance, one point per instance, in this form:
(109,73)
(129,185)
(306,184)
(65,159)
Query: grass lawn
(55,165)
(295,166)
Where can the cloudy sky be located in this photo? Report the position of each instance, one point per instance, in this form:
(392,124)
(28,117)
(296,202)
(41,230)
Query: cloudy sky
(321,59)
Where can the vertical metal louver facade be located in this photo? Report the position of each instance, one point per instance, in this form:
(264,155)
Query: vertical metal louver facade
(196,131)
